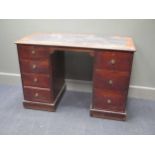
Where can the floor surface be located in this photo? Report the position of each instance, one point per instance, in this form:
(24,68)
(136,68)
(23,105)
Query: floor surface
(72,116)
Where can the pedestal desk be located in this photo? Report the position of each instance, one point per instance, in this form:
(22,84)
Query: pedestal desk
(41,59)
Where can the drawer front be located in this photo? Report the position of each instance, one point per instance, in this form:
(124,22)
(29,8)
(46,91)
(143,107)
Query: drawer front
(37,95)
(118,81)
(110,101)
(33,52)
(36,80)
(34,66)
(115,61)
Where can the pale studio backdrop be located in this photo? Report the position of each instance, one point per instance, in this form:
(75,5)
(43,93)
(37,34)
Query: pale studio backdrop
(79,66)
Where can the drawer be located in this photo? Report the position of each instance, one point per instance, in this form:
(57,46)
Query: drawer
(36,80)
(34,66)
(118,81)
(110,101)
(38,95)
(33,52)
(115,61)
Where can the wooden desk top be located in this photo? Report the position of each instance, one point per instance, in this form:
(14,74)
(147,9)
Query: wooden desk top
(79,41)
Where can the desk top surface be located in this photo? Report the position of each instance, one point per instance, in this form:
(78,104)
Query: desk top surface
(79,41)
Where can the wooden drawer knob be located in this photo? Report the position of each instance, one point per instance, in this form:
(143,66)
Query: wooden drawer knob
(113,61)
(34,66)
(109,101)
(35,80)
(110,82)
(33,51)
(36,95)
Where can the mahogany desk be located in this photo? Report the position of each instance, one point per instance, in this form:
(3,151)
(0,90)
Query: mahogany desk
(41,59)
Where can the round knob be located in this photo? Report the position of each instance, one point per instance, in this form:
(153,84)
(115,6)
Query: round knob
(33,52)
(109,101)
(34,66)
(113,61)
(36,94)
(110,82)
(35,80)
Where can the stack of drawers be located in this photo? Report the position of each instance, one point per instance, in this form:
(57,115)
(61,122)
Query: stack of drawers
(111,82)
(36,72)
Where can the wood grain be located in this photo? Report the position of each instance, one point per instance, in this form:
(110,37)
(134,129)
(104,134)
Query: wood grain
(118,81)
(36,80)
(114,61)
(34,52)
(35,66)
(79,40)
(42,95)
(117,100)
(119,116)
(39,106)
